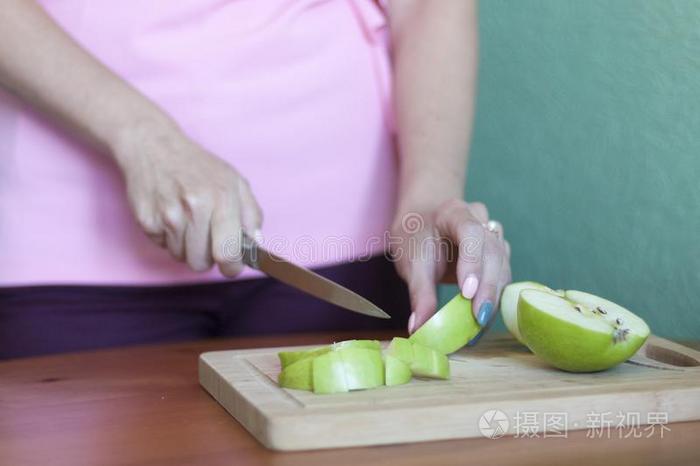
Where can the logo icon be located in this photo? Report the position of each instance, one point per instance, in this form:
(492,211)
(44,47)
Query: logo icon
(493,424)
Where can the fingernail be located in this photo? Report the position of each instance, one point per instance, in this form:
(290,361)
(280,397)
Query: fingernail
(411,323)
(257,236)
(485,313)
(470,285)
(476,339)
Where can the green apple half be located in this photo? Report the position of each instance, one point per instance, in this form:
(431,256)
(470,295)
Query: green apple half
(452,327)
(582,333)
(422,361)
(509,304)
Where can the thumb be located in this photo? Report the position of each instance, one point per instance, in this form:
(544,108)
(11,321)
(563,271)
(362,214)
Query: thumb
(423,294)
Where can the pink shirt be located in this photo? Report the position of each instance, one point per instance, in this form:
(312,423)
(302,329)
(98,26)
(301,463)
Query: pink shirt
(294,93)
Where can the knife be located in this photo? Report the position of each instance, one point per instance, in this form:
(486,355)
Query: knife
(305,280)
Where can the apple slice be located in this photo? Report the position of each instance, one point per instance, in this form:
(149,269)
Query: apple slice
(509,304)
(583,333)
(452,327)
(366,344)
(402,349)
(396,372)
(290,357)
(364,368)
(347,369)
(422,361)
(328,374)
(287,358)
(428,362)
(297,375)
(357,364)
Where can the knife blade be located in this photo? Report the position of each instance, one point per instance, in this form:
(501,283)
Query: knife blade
(305,280)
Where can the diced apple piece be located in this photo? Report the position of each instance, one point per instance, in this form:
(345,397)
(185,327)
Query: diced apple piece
(297,375)
(347,369)
(397,372)
(402,349)
(288,358)
(429,363)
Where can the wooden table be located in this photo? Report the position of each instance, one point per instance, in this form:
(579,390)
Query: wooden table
(143,406)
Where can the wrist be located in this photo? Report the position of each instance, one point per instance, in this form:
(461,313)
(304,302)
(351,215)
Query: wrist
(139,134)
(424,193)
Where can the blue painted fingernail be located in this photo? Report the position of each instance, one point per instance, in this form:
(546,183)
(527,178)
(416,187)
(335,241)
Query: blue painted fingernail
(485,313)
(476,339)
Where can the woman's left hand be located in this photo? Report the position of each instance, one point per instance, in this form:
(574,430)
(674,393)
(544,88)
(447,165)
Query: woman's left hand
(424,247)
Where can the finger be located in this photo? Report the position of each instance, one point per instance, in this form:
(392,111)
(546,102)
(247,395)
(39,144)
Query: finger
(457,223)
(151,224)
(470,258)
(198,237)
(486,298)
(507,246)
(479,210)
(158,238)
(251,213)
(423,294)
(418,268)
(505,278)
(149,221)
(174,223)
(226,238)
(495,228)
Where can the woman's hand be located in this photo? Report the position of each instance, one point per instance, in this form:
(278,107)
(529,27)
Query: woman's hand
(434,109)
(425,256)
(188,200)
(184,198)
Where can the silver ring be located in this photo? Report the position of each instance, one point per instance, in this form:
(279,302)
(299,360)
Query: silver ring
(494,227)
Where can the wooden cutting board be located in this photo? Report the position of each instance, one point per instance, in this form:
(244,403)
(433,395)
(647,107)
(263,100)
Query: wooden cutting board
(497,376)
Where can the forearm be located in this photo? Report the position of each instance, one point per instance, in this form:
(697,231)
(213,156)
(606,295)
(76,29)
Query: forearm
(43,66)
(435,66)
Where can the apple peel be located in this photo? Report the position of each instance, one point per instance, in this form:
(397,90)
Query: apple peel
(509,304)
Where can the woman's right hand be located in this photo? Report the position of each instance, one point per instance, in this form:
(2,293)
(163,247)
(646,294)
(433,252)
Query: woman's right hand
(186,199)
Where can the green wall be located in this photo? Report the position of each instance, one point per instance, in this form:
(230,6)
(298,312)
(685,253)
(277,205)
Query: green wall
(587,148)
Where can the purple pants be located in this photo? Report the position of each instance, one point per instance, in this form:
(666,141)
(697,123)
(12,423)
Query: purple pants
(51,319)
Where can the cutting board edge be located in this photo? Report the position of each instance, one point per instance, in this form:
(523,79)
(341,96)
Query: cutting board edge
(298,433)
(254,419)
